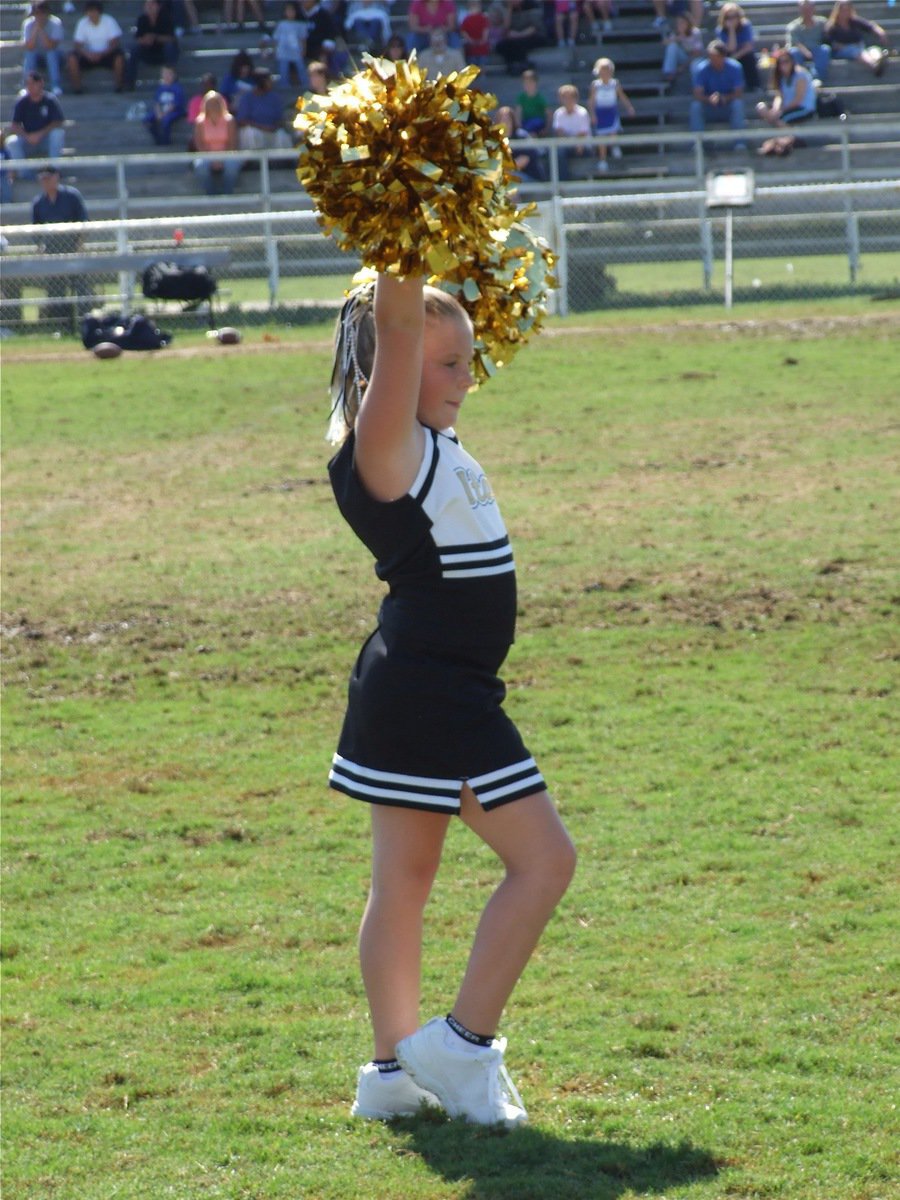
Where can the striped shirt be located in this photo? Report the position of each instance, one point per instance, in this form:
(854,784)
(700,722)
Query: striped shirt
(442,549)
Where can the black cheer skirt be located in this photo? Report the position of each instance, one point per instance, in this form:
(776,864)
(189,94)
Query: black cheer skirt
(419,725)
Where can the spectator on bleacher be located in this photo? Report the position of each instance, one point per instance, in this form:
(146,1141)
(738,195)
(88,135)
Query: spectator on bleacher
(736,32)
(260,116)
(570,119)
(806,40)
(475,29)
(532,110)
(369,23)
(522,33)
(195,104)
(718,91)
(289,37)
(59,204)
(668,10)
(97,43)
(496,14)
(600,14)
(42,37)
(439,58)
(323,37)
(851,36)
(169,105)
(236,8)
(215,132)
(565,22)
(607,94)
(527,162)
(155,41)
(684,47)
(37,126)
(238,79)
(184,15)
(793,101)
(318,76)
(395,48)
(424,16)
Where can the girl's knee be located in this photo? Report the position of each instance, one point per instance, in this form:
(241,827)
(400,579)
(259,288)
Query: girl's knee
(563,861)
(408,882)
(550,872)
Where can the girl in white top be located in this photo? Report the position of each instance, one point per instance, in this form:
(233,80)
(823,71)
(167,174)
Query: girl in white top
(606,96)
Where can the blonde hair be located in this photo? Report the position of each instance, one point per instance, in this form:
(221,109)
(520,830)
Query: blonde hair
(601,63)
(354,350)
(730,10)
(213,99)
(568,89)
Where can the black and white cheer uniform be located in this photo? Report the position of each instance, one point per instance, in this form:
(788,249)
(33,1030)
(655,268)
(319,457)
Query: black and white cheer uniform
(425,712)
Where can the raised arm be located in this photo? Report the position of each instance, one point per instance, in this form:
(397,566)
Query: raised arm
(389,439)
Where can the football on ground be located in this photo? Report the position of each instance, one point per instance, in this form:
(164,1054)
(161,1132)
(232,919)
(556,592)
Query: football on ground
(107,350)
(229,336)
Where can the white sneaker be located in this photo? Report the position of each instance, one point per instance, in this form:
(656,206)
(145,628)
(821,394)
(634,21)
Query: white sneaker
(602,164)
(616,151)
(380,1096)
(470,1083)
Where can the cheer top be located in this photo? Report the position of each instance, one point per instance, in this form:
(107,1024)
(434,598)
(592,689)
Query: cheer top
(605,98)
(442,549)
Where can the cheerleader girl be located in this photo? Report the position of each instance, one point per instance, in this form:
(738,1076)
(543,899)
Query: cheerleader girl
(606,96)
(425,737)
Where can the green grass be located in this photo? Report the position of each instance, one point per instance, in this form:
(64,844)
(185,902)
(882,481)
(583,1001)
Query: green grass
(705,528)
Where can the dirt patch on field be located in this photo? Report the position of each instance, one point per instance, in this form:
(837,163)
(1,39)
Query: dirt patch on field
(801,328)
(211,349)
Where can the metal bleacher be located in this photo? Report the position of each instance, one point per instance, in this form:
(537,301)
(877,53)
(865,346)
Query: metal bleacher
(656,144)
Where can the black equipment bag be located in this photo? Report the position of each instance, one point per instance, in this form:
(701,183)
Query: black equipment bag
(134,332)
(172,281)
(828,104)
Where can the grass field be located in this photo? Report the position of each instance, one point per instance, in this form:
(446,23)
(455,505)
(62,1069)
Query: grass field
(705,521)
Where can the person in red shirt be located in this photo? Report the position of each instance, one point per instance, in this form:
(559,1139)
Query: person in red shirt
(424,16)
(475,29)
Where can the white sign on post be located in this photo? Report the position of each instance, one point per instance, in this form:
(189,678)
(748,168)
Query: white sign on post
(729,189)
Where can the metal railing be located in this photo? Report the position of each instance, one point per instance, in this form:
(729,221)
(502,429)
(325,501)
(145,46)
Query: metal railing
(615,250)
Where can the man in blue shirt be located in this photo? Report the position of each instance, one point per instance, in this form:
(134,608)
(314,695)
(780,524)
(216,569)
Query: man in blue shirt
(37,122)
(60,204)
(260,116)
(718,90)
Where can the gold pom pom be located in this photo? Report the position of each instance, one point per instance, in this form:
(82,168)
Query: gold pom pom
(413,175)
(404,170)
(504,290)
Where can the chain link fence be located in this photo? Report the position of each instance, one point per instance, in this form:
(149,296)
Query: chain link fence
(794,241)
(640,249)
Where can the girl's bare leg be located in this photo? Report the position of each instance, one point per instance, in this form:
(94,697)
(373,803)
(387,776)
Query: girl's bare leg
(406,852)
(531,841)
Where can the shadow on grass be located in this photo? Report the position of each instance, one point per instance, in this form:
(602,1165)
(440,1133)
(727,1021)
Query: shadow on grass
(533,1165)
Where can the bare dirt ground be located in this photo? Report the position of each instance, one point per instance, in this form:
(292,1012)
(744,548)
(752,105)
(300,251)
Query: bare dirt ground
(802,328)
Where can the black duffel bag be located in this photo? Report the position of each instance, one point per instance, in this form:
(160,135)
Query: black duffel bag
(171,281)
(133,332)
